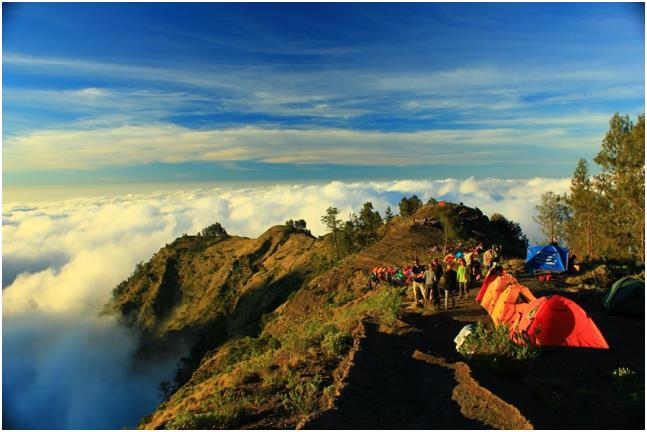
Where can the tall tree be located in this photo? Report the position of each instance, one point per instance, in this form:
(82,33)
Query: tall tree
(583,229)
(332,224)
(369,222)
(511,232)
(552,215)
(409,206)
(622,158)
(388,214)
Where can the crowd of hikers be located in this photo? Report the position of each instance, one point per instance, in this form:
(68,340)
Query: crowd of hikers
(452,276)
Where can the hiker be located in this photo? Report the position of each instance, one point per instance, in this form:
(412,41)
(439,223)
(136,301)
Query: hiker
(572,267)
(418,274)
(469,259)
(449,284)
(462,278)
(432,277)
(476,270)
(487,258)
(496,255)
(438,269)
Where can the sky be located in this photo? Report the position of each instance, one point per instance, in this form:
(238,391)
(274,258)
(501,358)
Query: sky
(99,94)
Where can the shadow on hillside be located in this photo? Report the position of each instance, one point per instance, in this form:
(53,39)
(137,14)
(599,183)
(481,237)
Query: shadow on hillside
(388,389)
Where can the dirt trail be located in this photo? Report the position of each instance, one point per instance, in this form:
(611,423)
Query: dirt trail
(412,378)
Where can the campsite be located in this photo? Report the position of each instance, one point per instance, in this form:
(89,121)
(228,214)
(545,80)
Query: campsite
(405,378)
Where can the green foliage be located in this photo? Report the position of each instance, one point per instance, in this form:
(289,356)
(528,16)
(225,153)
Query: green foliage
(297,226)
(388,214)
(368,223)
(247,347)
(214,231)
(354,234)
(586,203)
(301,395)
(337,343)
(492,347)
(202,421)
(332,223)
(511,231)
(298,338)
(622,182)
(553,213)
(628,384)
(608,211)
(409,206)
(384,306)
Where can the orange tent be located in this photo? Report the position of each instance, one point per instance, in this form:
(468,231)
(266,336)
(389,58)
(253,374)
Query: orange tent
(558,321)
(484,286)
(548,321)
(494,290)
(512,304)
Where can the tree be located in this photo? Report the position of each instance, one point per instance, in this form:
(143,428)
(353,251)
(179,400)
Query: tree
(448,228)
(583,229)
(297,225)
(622,181)
(348,236)
(552,215)
(388,214)
(214,231)
(332,224)
(511,231)
(300,224)
(409,206)
(369,221)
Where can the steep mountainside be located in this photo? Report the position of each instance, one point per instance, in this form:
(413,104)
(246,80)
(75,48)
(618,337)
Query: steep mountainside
(197,287)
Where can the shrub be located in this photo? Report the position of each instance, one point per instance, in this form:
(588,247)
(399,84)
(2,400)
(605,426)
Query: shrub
(384,306)
(492,347)
(337,343)
(214,231)
(300,397)
(628,384)
(246,347)
(208,420)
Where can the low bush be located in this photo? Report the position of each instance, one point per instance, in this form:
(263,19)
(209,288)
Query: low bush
(383,306)
(301,395)
(491,347)
(201,421)
(628,384)
(337,343)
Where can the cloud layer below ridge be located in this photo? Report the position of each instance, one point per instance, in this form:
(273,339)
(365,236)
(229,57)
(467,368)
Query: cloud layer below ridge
(61,261)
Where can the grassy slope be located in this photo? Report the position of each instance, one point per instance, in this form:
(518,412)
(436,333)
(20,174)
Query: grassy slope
(221,287)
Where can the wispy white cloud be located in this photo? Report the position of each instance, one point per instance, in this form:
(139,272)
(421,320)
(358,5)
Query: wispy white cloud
(169,143)
(334,92)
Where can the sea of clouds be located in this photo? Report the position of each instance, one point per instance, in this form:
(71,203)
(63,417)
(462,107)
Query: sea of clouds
(65,366)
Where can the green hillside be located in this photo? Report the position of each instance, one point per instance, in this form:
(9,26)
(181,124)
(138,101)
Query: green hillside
(273,321)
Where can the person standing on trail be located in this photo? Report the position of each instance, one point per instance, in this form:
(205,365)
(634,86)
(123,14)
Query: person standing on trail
(463,278)
(431,284)
(418,274)
(487,258)
(449,284)
(496,255)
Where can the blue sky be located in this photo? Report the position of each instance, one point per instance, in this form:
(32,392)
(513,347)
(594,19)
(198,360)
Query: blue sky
(101,93)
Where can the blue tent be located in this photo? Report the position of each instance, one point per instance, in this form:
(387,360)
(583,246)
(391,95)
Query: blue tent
(548,258)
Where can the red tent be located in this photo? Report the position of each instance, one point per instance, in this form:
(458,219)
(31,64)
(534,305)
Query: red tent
(557,321)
